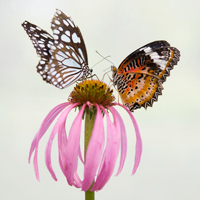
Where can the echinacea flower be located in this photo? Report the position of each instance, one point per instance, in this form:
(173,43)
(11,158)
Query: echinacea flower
(94,100)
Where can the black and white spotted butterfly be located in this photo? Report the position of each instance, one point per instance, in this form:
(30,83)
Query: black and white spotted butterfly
(63,56)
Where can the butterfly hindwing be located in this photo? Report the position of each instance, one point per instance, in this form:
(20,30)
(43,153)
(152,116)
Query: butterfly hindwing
(140,76)
(42,42)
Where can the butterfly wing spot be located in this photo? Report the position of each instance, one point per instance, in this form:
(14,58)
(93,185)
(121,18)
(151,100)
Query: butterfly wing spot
(59,79)
(75,57)
(38,28)
(57,22)
(58,12)
(75,38)
(65,22)
(67,33)
(42,62)
(63,55)
(56,32)
(65,38)
(81,53)
(55,37)
(146,49)
(53,74)
(61,46)
(140,76)
(42,46)
(71,23)
(52,69)
(58,57)
(60,28)
(53,48)
(57,75)
(71,63)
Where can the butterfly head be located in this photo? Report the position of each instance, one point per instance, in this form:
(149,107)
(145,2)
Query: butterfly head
(90,71)
(114,70)
(87,72)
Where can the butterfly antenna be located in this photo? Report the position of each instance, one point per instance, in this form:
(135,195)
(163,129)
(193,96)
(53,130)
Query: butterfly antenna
(105,57)
(107,69)
(100,61)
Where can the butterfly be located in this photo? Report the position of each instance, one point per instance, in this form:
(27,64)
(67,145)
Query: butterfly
(140,76)
(63,57)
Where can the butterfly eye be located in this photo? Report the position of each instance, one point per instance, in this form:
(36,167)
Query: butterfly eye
(113,68)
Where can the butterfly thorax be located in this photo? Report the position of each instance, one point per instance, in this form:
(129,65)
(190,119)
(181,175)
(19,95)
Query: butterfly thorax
(117,78)
(87,72)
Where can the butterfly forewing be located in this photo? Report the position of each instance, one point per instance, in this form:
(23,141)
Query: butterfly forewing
(69,57)
(66,32)
(42,42)
(140,76)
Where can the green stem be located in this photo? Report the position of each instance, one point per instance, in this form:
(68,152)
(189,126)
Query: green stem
(89,195)
(90,116)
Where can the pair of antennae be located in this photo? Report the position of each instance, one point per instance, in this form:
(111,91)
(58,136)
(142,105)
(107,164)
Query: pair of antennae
(104,58)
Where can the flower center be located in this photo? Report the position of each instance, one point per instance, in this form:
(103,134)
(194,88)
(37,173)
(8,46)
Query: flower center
(93,91)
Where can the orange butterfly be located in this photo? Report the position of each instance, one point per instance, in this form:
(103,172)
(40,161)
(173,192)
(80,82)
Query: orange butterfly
(140,76)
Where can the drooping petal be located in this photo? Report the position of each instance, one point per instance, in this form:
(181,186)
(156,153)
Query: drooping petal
(62,139)
(111,151)
(77,181)
(94,151)
(80,155)
(62,144)
(138,140)
(58,127)
(46,123)
(123,142)
(72,149)
(48,151)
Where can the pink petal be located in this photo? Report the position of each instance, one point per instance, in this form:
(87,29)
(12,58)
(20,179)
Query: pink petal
(123,142)
(94,151)
(138,141)
(72,149)
(48,151)
(77,181)
(46,123)
(80,155)
(62,139)
(58,127)
(62,144)
(111,151)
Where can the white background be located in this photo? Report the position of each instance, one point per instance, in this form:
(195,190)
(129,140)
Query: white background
(170,164)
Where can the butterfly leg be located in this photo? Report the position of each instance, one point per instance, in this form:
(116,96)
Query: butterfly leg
(94,75)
